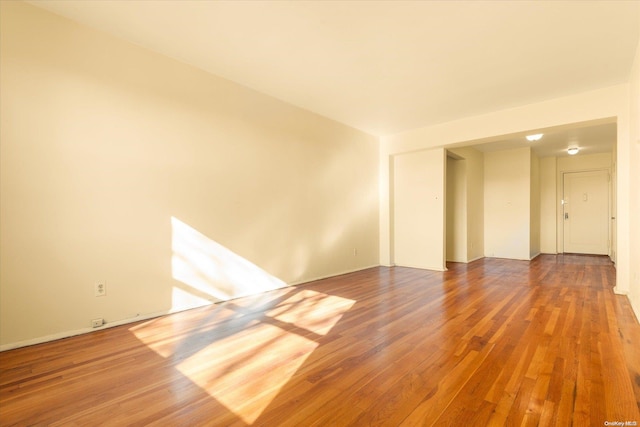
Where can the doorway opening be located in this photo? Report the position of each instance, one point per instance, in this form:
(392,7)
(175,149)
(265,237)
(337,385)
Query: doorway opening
(456,209)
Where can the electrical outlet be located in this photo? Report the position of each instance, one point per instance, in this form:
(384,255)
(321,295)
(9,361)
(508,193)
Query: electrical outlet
(96,323)
(100,288)
(355,251)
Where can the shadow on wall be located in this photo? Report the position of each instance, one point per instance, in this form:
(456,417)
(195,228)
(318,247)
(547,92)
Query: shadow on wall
(208,271)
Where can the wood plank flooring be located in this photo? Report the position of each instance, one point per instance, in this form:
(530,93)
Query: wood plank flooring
(490,343)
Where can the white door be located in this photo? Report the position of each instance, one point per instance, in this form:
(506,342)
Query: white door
(586,212)
(418,209)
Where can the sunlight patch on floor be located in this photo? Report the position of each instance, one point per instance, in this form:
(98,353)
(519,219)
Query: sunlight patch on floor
(246,368)
(246,351)
(244,384)
(311,310)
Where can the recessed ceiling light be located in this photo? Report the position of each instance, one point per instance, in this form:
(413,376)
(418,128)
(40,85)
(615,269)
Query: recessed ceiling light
(535,137)
(573,151)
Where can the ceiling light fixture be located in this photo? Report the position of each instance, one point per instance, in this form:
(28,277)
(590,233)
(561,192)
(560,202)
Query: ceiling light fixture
(573,151)
(535,137)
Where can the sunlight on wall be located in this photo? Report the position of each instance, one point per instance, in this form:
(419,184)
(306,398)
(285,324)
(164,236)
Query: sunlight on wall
(210,270)
(182,299)
(245,369)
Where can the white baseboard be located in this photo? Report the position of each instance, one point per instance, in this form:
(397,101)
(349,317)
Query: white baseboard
(420,267)
(112,324)
(300,282)
(513,259)
(617,291)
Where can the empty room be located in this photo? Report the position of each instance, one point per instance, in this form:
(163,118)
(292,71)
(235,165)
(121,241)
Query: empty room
(328,213)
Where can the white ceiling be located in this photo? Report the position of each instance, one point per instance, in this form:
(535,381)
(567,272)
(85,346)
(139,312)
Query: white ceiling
(385,66)
(590,139)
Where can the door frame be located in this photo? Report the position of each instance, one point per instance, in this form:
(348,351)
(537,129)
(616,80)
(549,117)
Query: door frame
(560,207)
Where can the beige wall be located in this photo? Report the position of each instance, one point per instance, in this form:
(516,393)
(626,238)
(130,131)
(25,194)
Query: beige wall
(634,187)
(548,205)
(584,161)
(507,201)
(419,209)
(534,207)
(456,210)
(475,203)
(614,203)
(122,165)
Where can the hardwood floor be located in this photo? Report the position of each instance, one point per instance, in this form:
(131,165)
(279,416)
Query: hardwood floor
(493,342)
